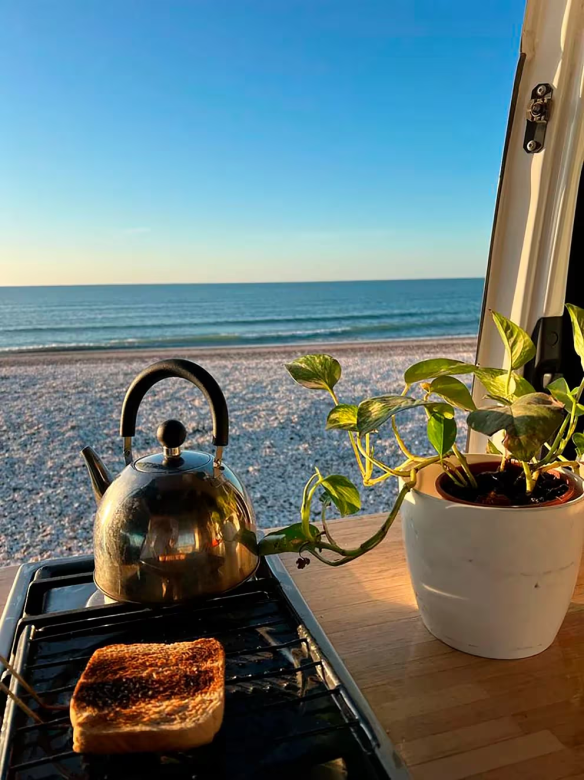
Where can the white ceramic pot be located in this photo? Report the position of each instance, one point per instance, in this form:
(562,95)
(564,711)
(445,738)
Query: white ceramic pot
(491,581)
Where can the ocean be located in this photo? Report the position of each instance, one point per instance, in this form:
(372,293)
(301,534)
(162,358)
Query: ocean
(211,315)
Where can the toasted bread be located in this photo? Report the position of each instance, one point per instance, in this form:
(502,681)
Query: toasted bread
(151,697)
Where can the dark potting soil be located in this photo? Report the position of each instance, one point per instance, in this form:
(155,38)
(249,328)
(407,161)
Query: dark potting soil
(507,488)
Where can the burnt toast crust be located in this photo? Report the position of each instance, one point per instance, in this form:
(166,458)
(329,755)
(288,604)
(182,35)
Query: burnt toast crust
(167,693)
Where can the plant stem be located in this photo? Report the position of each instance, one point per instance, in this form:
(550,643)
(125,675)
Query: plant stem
(380,464)
(325,526)
(356,451)
(573,464)
(306,502)
(503,463)
(573,419)
(377,480)
(465,467)
(508,380)
(555,447)
(405,468)
(403,471)
(351,437)
(454,475)
(368,544)
(562,438)
(407,465)
(529,480)
(402,444)
(368,463)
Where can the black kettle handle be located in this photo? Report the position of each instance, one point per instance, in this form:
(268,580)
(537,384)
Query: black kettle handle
(183,369)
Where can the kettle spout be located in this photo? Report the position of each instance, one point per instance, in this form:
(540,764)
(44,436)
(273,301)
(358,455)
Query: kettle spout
(98,473)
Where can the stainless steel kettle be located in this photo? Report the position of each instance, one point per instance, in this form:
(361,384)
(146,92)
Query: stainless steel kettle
(178,524)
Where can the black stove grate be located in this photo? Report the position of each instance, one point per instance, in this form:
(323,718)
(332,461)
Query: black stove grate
(287,711)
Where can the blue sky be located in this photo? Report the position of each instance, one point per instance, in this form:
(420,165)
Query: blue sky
(250,140)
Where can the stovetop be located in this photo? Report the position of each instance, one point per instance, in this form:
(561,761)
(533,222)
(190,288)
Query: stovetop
(291,706)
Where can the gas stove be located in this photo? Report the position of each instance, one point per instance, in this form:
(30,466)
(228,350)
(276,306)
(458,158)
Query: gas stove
(291,706)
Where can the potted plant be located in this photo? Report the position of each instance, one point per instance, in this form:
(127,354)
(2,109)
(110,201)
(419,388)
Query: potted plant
(493,541)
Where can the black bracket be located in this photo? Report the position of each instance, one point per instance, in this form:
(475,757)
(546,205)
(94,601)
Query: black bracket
(538,115)
(547,364)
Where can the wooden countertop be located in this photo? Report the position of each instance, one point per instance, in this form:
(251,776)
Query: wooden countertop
(450,715)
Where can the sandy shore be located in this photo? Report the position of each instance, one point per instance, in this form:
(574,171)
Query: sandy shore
(53,404)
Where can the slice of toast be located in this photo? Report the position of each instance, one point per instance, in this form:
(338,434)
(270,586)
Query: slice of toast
(149,698)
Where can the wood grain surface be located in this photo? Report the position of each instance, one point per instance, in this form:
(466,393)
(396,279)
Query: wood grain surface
(451,716)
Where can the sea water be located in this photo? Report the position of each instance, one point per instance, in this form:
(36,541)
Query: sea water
(211,315)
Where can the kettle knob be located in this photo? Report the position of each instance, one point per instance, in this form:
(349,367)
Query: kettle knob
(171,434)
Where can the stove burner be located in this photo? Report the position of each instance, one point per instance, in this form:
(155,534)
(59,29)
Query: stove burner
(98,599)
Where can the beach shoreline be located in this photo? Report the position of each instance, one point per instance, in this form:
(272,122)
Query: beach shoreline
(54,404)
(397,346)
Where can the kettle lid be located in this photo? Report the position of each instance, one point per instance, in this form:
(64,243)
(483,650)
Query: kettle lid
(171,434)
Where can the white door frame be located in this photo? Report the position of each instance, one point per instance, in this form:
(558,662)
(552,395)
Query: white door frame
(536,201)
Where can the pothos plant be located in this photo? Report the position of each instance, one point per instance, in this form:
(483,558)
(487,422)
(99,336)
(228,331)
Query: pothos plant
(534,429)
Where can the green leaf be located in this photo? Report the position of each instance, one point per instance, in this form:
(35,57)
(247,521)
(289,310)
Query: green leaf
(439,407)
(373,412)
(560,390)
(577,317)
(428,369)
(317,372)
(454,391)
(494,380)
(528,422)
(289,539)
(441,433)
(492,449)
(578,441)
(343,418)
(520,348)
(343,493)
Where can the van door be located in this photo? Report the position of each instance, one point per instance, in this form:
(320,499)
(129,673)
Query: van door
(536,258)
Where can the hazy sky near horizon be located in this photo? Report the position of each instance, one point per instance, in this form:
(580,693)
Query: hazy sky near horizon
(250,140)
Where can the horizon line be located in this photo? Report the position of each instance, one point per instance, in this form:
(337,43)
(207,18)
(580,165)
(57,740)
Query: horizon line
(208,284)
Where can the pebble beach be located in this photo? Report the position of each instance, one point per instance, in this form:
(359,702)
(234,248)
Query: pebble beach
(54,404)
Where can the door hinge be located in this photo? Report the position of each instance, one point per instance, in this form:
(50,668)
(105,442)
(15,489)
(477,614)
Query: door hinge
(538,115)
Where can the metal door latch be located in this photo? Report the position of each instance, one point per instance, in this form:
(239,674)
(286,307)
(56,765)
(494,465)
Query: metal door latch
(538,114)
